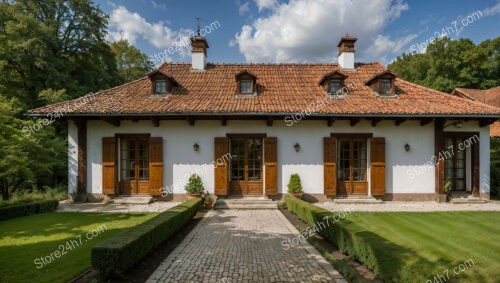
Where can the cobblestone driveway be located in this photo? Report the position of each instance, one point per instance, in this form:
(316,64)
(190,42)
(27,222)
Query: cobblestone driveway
(243,246)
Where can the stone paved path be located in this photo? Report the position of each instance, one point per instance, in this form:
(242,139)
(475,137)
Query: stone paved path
(244,246)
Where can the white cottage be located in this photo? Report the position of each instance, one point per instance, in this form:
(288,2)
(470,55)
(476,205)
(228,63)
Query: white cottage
(348,129)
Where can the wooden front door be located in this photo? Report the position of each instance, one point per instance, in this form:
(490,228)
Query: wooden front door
(246,166)
(351,166)
(134,165)
(454,165)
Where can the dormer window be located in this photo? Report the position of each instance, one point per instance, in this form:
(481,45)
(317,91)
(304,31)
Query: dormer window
(246,87)
(246,84)
(383,84)
(160,87)
(333,84)
(161,83)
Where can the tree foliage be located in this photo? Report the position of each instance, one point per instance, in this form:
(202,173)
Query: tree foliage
(447,64)
(132,63)
(50,51)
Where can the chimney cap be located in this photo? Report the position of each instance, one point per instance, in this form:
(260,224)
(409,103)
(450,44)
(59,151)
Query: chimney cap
(198,39)
(348,38)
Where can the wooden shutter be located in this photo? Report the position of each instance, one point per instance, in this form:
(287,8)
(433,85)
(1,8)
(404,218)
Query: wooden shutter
(155,165)
(377,166)
(221,178)
(330,165)
(271,162)
(109,168)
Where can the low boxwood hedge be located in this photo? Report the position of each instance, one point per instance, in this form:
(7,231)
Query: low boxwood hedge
(350,238)
(24,209)
(113,256)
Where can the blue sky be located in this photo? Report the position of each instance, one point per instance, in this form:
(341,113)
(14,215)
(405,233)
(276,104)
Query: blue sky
(297,31)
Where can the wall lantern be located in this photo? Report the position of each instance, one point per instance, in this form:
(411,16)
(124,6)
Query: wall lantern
(196,147)
(297,147)
(407,147)
(457,124)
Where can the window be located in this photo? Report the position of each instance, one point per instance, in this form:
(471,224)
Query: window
(246,87)
(334,86)
(385,86)
(160,86)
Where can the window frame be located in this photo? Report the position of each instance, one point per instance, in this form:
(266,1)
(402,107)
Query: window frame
(156,86)
(340,83)
(251,91)
(385,81)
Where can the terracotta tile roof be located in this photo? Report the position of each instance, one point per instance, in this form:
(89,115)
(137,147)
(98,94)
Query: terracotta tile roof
(495,130)
(282,88)
(489,96)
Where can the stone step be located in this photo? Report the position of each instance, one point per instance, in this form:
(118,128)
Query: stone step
(461,200)
(132,199)
(245,203)
(355,200)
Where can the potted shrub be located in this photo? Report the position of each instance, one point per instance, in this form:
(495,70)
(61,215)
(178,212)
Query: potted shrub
(295,186)
(194,187)
(447,187)
(208,202)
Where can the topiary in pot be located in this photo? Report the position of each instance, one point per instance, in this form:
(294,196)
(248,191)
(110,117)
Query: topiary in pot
(208,201)
(194,187)
(295,186)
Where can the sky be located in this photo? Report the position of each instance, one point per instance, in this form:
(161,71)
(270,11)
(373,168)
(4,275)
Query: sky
(302,31)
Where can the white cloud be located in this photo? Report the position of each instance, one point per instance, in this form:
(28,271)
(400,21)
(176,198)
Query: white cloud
(124,24)
(492,10)
(243,8)
(159,5)
(266,4)
(309,30)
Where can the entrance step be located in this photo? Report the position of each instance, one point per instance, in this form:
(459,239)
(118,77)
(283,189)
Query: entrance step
(232,202)
(357,200)
(132,199)
(465,198)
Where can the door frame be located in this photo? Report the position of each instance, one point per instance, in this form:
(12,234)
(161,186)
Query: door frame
(362,184)
(474,159)
(246,182)
(144,183)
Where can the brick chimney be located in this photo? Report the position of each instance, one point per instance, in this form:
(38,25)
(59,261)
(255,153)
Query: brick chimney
(199,47)
(346,52)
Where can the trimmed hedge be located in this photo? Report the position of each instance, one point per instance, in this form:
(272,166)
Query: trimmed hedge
(350,238)
(113,256)
(25,209)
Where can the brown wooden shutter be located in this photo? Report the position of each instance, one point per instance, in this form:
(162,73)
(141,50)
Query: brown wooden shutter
(377,166)
(109,168)
(221,159)
(271,162)
(330,165)
(155,165)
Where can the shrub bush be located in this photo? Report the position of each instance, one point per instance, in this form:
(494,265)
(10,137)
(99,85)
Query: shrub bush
(351,239)
(113,256)
(194,185)
(23,209)
(294,185)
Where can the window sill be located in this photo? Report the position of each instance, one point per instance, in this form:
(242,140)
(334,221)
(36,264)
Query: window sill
(245,95)
(160,95)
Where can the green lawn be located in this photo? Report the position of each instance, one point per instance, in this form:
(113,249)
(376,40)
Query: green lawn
(24,240)
(427,244)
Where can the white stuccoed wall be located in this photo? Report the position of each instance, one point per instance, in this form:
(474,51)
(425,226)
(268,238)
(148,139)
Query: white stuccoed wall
(72,157)
(180,160)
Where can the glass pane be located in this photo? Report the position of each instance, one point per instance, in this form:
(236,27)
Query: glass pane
(334,86)
(246,86)
(385,86)
(160,86)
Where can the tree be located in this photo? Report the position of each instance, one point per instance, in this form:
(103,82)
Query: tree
(447,64)
(132,63)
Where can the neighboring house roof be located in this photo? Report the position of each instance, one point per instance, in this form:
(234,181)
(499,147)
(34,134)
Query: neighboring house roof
(489,96)
(281,89)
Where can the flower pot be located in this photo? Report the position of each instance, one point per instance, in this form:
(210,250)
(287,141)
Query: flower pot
(208,204)
(193,196)
(298,196)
